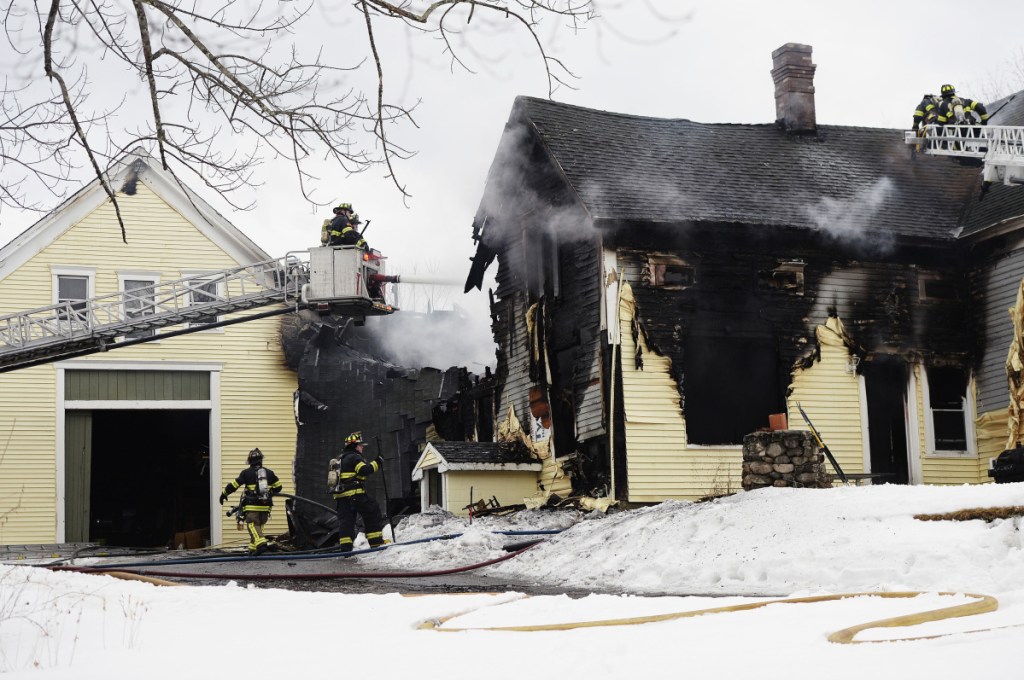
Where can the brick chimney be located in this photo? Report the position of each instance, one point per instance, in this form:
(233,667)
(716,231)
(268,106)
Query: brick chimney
(793,74)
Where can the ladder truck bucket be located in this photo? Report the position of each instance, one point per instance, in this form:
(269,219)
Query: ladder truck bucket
(346,280)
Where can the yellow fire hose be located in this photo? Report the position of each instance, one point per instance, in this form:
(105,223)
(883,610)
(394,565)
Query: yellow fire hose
(983,604)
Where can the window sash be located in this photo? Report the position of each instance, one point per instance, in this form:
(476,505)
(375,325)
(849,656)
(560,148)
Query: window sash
(73,288)
(139,301)
(203,292)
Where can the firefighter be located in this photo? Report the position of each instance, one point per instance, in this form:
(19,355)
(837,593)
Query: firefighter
(343,230)
(926,112)
(350,494)
(261,485)
(954,110)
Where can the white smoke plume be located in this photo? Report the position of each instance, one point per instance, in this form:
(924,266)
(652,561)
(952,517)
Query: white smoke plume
(850,220)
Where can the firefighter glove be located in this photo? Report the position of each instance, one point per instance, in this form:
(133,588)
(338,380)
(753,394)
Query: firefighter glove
(223,498)
(379,460)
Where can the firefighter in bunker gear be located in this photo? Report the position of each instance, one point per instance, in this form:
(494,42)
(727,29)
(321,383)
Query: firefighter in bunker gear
(350,494)
(926,112)
(261,485)
(954,110)
(343,230)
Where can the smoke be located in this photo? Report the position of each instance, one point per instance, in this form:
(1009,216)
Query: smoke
(850,220)
(439,339)
(512,200)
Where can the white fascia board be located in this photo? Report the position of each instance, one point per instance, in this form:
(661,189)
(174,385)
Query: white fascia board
(147,365)
(44,232)
(198,212)
(505,467)
(417,471)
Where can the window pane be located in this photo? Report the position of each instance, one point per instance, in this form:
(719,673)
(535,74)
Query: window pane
(202,293)
(950,431)
(138,301)
(73,289)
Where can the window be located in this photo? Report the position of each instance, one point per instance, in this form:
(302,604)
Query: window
(203,292)
(139,301)
(788,276)
(74,289)
(730,384)
(666,271)
(933,286)
(947,387)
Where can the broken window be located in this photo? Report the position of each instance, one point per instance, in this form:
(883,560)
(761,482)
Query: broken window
(931,286)
(947,389)
(666,271)
(787,276)
(731,385)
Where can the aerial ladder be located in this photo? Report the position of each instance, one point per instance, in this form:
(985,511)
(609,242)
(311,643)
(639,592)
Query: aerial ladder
(1000,147)
(345,280)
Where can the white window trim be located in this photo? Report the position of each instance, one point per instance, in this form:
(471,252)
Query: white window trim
(187,273)
(915,470)
(216,482)
(129,275)
(929,426)
(57,271)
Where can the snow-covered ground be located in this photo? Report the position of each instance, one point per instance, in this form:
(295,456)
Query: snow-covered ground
(674,557)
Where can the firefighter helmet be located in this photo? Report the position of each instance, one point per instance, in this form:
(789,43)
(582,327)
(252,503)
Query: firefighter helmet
(948,90)
(255,457)
(342,206)
(354,439)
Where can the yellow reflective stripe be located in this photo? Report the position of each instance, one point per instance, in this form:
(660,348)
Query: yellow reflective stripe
(351,492)
(344,540)
(374,534)
(919,112)
(250,487)
(347,475)
(256,508)
(276,485)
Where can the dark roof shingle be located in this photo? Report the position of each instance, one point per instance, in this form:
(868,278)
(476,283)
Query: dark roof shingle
(635,168)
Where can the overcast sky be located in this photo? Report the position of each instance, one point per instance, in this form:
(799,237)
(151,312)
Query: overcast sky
(702,60)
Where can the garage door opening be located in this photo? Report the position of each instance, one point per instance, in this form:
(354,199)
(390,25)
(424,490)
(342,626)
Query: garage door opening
(150,476)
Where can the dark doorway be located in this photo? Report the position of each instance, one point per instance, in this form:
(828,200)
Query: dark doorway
(150,476)
(885,378)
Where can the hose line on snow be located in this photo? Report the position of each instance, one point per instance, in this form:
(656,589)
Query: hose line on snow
(983,604)
(299,577)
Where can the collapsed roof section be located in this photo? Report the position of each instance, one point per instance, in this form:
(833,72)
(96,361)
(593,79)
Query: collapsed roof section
(345,384)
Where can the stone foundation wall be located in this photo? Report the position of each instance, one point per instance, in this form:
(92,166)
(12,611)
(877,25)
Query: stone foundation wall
(784,458)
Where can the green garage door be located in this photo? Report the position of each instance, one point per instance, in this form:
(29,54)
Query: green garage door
(111,386)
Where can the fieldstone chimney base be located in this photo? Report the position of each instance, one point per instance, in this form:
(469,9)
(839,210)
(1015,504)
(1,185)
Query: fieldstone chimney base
(784,458)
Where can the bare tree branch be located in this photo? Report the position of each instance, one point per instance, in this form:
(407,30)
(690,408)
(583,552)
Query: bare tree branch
(225,86)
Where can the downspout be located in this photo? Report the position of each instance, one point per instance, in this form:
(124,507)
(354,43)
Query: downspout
(611,407)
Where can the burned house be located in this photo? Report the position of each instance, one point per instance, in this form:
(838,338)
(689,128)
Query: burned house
(664,286)
(351,378)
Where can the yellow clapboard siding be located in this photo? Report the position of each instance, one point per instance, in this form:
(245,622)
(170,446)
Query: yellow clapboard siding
(510,487)
(659,463)
(831,398)
(255,387)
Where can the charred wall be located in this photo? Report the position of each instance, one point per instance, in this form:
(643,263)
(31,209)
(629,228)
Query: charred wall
(750,306)
(548,271)
(344,386)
